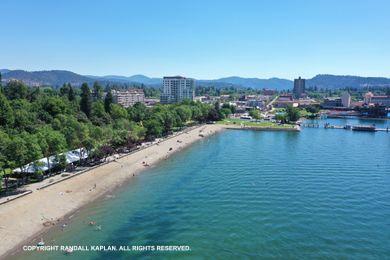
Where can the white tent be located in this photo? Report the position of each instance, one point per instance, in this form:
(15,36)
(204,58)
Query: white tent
(71,156)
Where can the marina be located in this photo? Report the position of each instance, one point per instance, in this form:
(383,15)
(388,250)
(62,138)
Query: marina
(364,128)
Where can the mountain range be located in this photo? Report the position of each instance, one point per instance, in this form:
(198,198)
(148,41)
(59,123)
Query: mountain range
(59,77)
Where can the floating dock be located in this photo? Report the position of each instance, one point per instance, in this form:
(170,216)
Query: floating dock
(363,128)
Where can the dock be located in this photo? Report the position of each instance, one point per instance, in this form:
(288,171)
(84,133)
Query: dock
(365,128)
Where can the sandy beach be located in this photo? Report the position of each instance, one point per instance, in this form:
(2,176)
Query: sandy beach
(24,218)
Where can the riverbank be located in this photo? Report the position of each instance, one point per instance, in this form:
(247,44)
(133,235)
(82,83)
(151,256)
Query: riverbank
(25,218)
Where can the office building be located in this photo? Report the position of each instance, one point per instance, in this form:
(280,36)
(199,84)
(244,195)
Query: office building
(176,89)
(299,87)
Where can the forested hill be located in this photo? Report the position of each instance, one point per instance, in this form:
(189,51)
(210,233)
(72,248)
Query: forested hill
(333,81)
(59,77)
(51,77)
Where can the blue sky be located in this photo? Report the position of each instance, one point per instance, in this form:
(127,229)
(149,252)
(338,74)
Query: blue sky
(201,39)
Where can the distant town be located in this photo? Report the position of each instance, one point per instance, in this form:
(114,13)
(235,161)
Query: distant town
(370,102)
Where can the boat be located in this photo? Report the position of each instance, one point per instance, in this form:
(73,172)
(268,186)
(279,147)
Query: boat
(41,243)
(69,250)
(366,128)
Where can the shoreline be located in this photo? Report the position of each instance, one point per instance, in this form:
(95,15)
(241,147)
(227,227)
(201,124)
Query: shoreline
(25,219)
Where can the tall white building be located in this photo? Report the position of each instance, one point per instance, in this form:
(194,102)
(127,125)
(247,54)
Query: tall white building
(176,89)
(346,99)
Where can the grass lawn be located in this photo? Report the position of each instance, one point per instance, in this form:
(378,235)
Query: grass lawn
(262,124)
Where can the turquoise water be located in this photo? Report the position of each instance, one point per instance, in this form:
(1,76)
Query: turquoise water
(322,193)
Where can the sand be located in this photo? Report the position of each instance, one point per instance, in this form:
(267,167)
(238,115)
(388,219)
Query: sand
(24,218)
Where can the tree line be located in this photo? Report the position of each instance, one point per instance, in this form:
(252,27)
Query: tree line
(38,122)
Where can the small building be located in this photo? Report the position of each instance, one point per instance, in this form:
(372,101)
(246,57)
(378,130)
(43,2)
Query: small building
(255,103)
(332,103)
(285,97)
(149,102)
(269,92)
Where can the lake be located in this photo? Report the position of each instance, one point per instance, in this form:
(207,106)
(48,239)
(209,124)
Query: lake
(318,193)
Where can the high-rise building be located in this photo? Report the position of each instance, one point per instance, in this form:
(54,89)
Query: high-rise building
(129,97)
(299,87)
(176,89)
(346,99)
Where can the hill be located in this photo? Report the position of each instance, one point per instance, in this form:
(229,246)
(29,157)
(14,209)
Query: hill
(51,77)
(59,77)
(333,81)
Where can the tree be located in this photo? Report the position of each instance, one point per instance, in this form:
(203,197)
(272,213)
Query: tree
(108,100)
(184,112)
(293,114)
(64,90)
(6,112)
(71,94)
(118,112)
(255,113)
(51,143)
(138,112)
(217,107)
(5,161)
(97,91)
(282,117)
(86,100)
(16,90)
(153,129)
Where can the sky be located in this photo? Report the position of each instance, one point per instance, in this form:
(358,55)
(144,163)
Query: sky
(201,39)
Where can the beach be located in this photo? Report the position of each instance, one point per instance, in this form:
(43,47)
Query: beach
(25,218)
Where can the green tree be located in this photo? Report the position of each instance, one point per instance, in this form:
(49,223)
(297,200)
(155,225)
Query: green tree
(86,100)
(138,112)
(97,91)
(153,129)
(6,112)
(64,90)
(108,100)
(293,114)
(255,113)
(118,112)
(71,94)
(184,112)
(51,142)
(16,90)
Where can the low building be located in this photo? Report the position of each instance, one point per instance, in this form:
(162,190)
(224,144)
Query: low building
(285,103)
(149,102)
(371,99)
(255,103)
(285,97)
(269,92)
(332,103)
(129,97)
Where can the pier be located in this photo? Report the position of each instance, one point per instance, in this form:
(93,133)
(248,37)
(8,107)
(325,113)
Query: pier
(365,128)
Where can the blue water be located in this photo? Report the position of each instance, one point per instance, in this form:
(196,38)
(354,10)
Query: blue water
(319,193)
